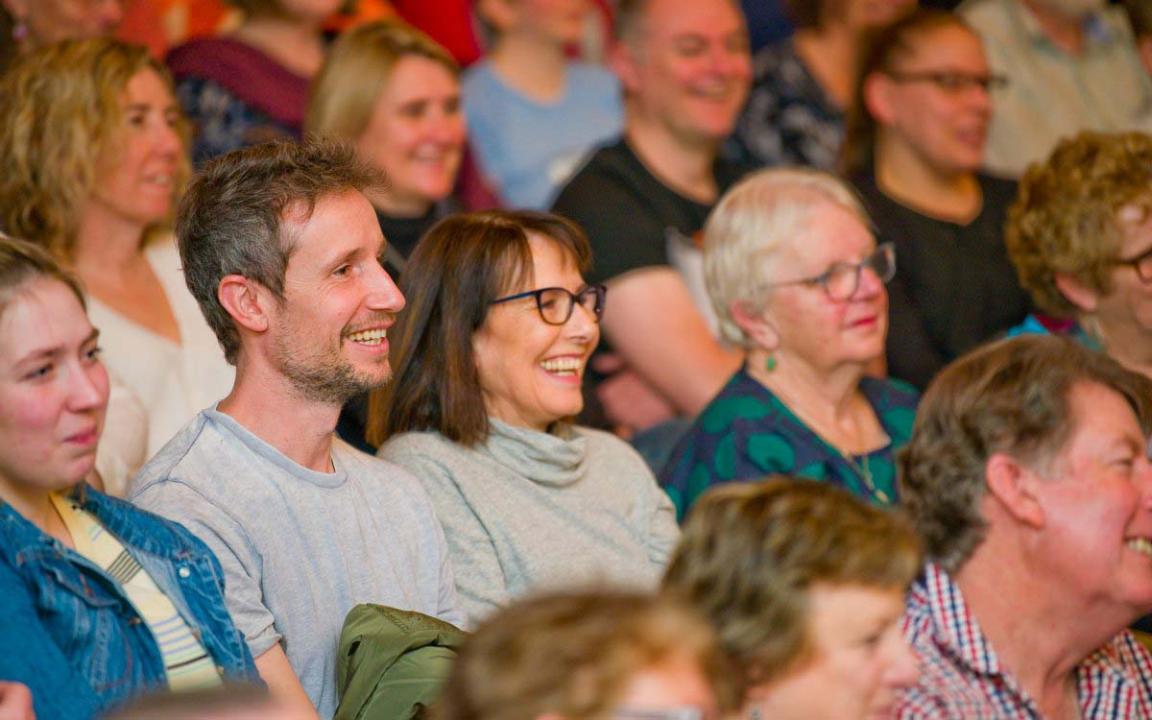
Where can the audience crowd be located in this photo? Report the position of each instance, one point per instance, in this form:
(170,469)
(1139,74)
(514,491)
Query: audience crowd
(611,368)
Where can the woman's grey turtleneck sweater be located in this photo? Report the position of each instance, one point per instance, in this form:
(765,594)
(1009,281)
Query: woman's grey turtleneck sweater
(529,511)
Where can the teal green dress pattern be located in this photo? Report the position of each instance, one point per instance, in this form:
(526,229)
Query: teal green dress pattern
(746,432)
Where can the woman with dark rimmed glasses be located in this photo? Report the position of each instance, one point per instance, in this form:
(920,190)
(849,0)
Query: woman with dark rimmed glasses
(491,354)
(914,148)
(1080,236)
(797,281)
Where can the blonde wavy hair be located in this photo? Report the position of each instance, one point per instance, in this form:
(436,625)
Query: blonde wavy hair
(1066,218)
(60,106)
(357,69)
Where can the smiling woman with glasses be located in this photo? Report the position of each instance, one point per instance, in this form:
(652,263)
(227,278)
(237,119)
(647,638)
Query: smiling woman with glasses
(491,354)
(914,148)
(1080,235)
(797,280)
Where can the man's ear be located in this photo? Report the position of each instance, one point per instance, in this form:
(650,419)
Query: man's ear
(878,97)
(246,301)
(623,61)
(1015,488)
(1076,292)
(754,324)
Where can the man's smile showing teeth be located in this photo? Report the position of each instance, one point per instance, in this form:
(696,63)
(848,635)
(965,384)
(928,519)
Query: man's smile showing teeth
(562,366)
(369,337)
(1140,545)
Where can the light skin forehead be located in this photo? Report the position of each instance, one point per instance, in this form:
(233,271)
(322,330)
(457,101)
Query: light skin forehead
(1135,221)
(942,45)
(839,613)
(416,76)
(51,309)
(664,20)
(829,233)
(341,224)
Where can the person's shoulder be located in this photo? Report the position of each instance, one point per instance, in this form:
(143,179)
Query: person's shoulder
(381,475)
(399,448)
(997,187)
(890,392)
(592,77)
(182,453)
(608,180)
(603,444)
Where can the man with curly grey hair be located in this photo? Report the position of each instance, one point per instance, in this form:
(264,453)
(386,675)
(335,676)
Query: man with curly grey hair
(1028,479)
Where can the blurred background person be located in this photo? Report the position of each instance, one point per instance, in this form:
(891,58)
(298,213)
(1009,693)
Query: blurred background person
(1080,235)
(1140,15)
(99,601)
(251,85)
(587,656)
(802,85)
(30,24)
(534,115)
(1071,65)
(395,95)
(684,68)
(488,376)
(805,586)
(914,146)
(797,281)
(92,142)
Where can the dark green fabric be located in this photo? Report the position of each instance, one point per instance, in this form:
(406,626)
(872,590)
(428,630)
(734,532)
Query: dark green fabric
(392,662)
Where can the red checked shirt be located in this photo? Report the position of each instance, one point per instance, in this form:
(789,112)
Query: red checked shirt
(961,676)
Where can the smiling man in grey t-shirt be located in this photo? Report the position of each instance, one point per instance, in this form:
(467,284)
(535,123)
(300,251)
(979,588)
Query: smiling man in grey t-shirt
(281,248)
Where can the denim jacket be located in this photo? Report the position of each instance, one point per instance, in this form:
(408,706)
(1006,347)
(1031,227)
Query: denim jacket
(69,632)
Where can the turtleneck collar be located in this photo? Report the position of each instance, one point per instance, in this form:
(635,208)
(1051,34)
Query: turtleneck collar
(553,458)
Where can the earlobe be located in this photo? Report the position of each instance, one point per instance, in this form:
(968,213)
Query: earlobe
(877,96)
(245,301)
(622,61)
(755,325)
(1013,486)
(1080,295)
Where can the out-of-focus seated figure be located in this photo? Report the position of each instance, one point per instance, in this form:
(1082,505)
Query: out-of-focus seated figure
(251,85)
(394,94)
(797,281)
(226,702)
(29,24)
(99,601)
(91,140)
(534,116)
(1070,66)
(1080,235)
(684,67)
(587,656)
(805,586)
(802,85)
(1029,482)
(490,355)
(914,147)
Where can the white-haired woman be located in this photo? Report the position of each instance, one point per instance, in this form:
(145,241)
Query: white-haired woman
(798,281)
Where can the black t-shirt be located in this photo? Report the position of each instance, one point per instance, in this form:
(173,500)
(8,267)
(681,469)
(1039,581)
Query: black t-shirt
(955,286)
(628,214)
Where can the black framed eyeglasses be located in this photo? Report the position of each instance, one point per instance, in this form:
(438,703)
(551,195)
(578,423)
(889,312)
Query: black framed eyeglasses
(841,281)
(952,81)
(555,304)
(1141,263)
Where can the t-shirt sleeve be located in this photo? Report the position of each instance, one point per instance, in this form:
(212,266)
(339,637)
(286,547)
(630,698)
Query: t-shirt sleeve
(237,555)
(663,532)
(622,232)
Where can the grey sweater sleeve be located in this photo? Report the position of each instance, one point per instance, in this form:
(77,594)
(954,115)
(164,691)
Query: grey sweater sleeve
(480,583)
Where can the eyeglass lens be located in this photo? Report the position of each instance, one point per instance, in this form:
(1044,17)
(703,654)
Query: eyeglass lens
(556,304)
(842,281)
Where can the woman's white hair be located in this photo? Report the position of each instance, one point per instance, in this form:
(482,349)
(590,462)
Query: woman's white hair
(755,218)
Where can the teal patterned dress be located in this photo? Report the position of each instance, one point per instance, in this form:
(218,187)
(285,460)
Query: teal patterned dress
(746,432)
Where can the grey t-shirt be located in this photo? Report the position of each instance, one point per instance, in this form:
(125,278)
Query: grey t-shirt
(300,548)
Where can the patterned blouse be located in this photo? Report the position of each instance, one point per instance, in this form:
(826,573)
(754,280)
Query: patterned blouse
(746,432)
(789,119)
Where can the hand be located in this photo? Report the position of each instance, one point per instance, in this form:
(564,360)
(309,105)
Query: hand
(15,702)
(630,403)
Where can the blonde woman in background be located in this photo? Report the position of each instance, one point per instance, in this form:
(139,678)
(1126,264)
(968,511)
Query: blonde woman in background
(92,145)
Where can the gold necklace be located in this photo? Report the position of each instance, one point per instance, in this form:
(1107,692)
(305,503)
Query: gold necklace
(860,467)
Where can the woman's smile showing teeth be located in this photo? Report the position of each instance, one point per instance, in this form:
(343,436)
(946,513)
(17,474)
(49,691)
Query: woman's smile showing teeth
(1140,545)
(564,366)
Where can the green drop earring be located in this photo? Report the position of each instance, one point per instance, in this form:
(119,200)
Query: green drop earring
(770,363)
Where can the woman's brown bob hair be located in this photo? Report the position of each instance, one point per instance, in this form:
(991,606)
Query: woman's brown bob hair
(464,263)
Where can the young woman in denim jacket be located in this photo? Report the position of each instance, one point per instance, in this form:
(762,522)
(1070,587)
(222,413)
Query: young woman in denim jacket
(99,601)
